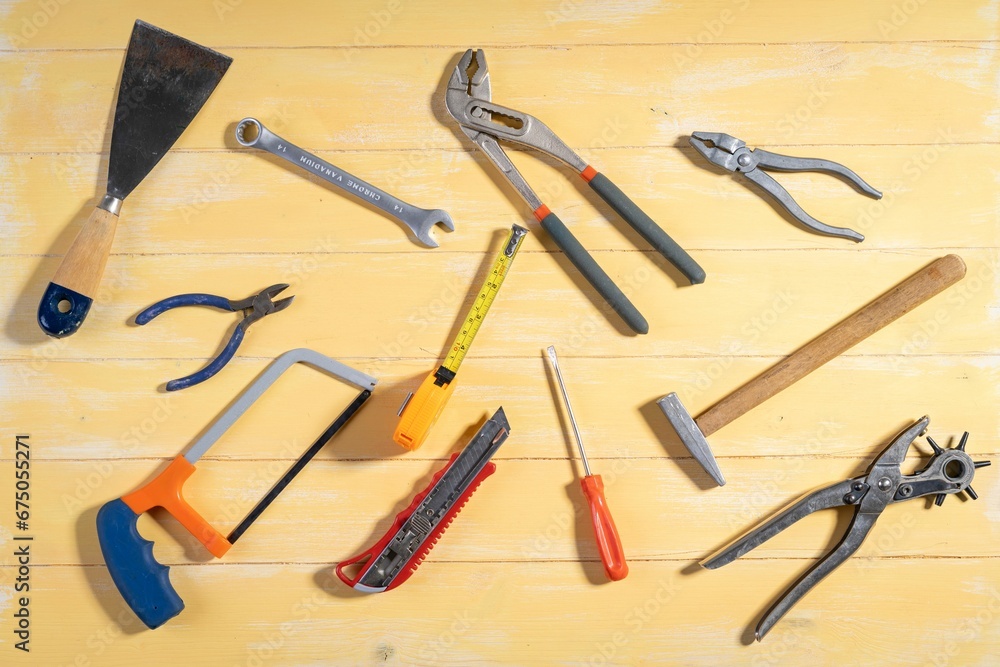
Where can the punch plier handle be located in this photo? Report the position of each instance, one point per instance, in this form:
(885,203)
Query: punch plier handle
(254,308)
(949,471)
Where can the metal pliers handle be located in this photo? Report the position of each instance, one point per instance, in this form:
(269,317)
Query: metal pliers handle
(254,308)
(468,100)
(949,471)
(730,153)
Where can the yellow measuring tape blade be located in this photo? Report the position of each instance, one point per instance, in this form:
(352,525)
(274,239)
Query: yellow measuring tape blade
(481,306)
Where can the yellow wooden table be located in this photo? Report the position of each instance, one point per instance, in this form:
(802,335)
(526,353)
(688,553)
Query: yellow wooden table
(902,91)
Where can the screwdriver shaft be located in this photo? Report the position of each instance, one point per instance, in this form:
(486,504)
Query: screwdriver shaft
(569,408)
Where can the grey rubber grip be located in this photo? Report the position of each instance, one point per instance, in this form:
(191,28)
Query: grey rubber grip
(649,230)
(594,274)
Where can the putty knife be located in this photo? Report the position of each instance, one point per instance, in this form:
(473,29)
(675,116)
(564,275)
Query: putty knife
(165,82)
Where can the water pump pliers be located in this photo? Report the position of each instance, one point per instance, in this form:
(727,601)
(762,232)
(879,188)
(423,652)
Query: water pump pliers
(253,308)
(468,100)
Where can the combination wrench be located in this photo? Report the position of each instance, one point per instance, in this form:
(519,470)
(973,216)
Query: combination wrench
(251,133)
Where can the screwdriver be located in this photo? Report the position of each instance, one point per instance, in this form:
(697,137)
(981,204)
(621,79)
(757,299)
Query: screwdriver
(608,542)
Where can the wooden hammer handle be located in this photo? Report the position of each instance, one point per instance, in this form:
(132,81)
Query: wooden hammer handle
(895,303)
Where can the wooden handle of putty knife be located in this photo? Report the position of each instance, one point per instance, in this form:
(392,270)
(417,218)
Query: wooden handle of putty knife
(901,299)
(68,297)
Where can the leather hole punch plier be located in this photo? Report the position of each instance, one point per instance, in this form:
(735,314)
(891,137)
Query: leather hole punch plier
(730,153)
(948,471)
(253,308)
(468,100)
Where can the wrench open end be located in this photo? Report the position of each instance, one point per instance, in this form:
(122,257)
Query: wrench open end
(422,228)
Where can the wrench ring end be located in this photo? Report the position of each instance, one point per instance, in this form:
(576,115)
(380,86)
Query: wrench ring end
(242,134)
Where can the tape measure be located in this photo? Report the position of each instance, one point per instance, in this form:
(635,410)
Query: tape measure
(421,409)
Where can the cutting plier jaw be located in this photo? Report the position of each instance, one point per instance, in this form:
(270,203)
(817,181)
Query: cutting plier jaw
(262,304)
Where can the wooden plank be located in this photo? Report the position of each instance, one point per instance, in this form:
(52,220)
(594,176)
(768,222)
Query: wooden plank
(930,201)
(848,409)
(523,613)
(527,511)
(31,24)
(810,94)
(767,302)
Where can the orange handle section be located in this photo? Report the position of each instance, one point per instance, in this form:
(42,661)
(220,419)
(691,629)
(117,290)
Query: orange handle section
(422,412)
(608,542)
(167,491)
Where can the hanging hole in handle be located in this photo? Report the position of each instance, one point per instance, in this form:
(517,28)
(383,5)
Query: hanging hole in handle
(349,571)
(64,305)
(248,131)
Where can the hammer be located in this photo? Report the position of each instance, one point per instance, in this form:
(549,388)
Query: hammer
(901,299)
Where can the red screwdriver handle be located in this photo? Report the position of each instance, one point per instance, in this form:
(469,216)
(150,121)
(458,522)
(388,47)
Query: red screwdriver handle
(608,542)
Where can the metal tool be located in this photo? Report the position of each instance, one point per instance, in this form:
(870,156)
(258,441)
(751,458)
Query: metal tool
(421,410)
(165,81)
(486,124)
(254,308)
(251,133)
(417,529)
(143,582)
(901,299)
(730,153)
(948,471)
(609,544)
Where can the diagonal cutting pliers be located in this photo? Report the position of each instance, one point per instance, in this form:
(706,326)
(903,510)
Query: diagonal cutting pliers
(948,471)
(728,152)
(468,100)
(253,308)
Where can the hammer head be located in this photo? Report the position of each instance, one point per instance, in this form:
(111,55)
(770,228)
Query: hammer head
(691,435)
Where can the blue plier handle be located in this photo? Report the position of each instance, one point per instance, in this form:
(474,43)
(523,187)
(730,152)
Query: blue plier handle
(253,308)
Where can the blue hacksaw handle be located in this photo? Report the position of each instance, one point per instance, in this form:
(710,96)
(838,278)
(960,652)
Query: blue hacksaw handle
(143,582)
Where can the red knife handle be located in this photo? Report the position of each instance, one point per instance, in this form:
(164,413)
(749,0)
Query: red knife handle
(418,557)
